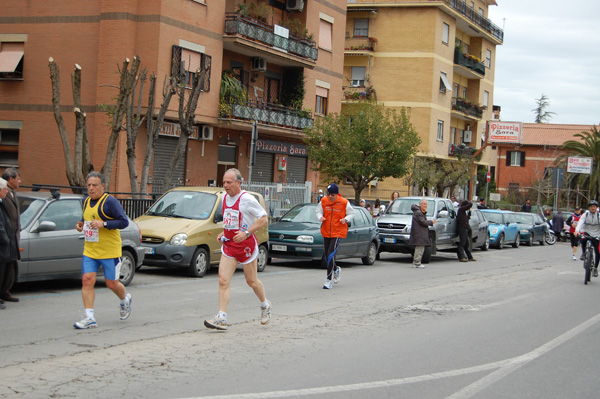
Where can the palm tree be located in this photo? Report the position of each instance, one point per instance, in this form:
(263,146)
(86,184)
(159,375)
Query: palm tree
(588,145)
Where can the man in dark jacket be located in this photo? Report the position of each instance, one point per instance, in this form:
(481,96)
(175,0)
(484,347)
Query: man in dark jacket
(558,223)
(11,206)
(419,232)
(8,244)
(464,232)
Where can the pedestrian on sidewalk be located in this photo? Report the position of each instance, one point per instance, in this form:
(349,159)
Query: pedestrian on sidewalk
(242,217)
(334,212)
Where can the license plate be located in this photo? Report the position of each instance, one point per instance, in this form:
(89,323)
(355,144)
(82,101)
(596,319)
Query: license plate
(149,251)
(279,248)
(389,240)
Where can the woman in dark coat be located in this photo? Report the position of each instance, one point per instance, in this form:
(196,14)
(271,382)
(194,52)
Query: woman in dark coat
(419,232)
(8,243)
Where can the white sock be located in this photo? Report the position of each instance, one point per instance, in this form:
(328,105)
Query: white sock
(222,315)
(264,304)
(89,313)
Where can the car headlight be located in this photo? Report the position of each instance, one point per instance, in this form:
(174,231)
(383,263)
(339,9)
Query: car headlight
(178,239)
(524,231)
(494,230)
(306,239)
(407,229)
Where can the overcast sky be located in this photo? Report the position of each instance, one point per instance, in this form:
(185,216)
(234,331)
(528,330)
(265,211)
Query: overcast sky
(550,47)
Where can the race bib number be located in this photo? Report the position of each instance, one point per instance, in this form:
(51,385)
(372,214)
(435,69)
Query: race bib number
(91,234)
(231,219)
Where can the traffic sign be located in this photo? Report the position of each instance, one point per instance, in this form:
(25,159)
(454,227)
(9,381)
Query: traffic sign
(488,177)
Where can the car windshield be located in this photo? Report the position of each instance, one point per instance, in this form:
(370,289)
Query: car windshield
(306,213)
(401,206)
(29,208)
(526,219)
(184,204)
(494,217)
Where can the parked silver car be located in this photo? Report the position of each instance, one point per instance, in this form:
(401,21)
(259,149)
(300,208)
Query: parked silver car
(51,247)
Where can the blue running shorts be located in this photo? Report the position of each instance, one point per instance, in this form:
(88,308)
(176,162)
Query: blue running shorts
(112,266)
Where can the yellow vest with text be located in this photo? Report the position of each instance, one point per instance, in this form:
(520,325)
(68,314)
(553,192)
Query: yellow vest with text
(109,243)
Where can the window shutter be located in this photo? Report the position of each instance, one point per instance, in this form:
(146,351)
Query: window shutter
(522,158)
(508,158)
(325,29)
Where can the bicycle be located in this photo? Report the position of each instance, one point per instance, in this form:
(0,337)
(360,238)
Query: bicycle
(588,260)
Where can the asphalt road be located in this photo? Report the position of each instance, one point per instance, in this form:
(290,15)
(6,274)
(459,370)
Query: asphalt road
(518,323)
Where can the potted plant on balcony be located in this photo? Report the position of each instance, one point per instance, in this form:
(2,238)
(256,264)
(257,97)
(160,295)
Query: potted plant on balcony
(260,11)
(242,9)
(232,93)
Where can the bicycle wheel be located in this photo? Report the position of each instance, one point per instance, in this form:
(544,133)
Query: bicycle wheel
(588,263)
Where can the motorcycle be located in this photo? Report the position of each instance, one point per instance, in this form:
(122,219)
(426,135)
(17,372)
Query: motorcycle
(550,237)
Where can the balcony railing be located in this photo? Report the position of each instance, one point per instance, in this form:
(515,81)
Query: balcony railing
(271,114)
(236,24)
(456,150)
(352,93)
(468,108)
(467,61)
(472,15)
(360,44)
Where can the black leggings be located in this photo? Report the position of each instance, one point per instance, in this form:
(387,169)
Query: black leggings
(595,245)
(331,246)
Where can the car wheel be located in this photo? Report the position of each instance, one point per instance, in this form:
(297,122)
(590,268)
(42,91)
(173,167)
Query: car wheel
(530,242)
(127,268)
(486,244)
(426,255)
(200,263)
(263,256)
(517,241)
(371,255)
(500,244)
(542,241)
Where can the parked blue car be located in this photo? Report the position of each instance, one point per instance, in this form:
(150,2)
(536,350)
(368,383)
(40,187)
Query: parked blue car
(503,228)
(531,228)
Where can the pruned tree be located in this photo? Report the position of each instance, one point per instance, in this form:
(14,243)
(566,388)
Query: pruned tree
(79,164)
(188,102)
(365,142)
(441,174)
(540,111)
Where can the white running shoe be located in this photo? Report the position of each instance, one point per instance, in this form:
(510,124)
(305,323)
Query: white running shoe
(327,285)
(216,324)
(574,257)
(265,314)
(336,274)
(125,308)
(85,323)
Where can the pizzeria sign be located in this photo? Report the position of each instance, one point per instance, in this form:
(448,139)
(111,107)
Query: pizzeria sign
(505,132)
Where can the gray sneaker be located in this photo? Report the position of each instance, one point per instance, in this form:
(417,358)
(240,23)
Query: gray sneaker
(85,323)
(216,324)
(337,274)
(595,274)
(125,308)
(265,313)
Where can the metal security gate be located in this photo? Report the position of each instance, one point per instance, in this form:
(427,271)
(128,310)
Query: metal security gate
(280,198)
(262,171)
(296,169)
(163,153)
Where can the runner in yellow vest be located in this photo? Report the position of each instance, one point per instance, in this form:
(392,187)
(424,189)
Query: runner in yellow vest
(103,216)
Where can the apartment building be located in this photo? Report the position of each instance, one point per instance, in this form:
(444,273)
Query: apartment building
(436,59)
(287,54)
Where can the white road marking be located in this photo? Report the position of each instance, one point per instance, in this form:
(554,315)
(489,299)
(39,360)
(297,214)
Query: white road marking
(502,369)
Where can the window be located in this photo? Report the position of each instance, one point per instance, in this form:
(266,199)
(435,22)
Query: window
(515,158)
(444,83)
(445,33)
(488,58)
(64,214)
(325,30)
(9,143)
(193,63)
(464,92)
(11,60)
(440,131)
(453,135)
(358,76)
(486,98)
(456,89)
(361,27)
(321,103)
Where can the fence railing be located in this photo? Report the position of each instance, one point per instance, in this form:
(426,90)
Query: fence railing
(280,198)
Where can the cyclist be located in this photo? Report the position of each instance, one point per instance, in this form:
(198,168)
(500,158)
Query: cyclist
(589,223)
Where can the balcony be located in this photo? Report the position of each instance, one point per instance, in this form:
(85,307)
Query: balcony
(471,67)
(246,35)
(360,93)
(455,150)
(359,45)
(269,114)
(466,110)
(473,16)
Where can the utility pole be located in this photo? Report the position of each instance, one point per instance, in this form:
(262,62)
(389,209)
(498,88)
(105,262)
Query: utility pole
(253,139)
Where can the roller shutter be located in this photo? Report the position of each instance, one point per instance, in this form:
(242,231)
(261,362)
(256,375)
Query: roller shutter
(163,153)
(262,171)
(296,169)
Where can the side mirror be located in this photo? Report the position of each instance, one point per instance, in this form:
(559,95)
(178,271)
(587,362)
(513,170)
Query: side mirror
(443,214)
(218,217)
(45,226)
(350,224)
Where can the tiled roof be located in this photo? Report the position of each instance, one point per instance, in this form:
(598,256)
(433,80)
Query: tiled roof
(550,134)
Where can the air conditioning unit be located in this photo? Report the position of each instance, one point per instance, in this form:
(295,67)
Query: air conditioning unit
(467,136)
(259,64)
(294,5)
(206,133)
